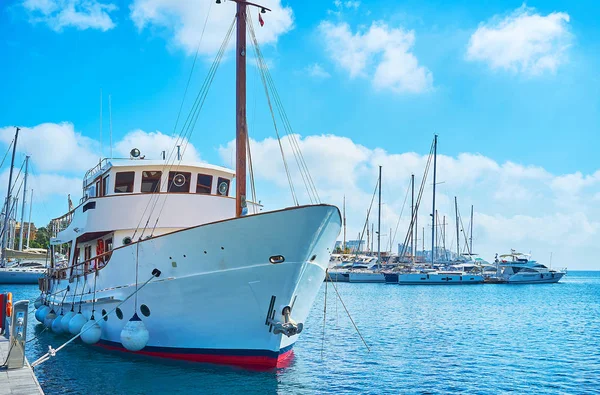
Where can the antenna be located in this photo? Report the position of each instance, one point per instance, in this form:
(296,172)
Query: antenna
(100,124)
(110,123)
(179,152)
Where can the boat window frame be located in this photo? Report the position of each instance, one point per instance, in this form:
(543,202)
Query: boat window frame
(171,185)
(129,185)
(105,181)
(156,183)
(221,180)
(209,186)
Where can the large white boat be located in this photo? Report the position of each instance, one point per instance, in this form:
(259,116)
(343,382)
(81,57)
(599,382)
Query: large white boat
(518,268)
(210,277)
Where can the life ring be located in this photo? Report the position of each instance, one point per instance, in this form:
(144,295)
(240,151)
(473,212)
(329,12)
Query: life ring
(9,304)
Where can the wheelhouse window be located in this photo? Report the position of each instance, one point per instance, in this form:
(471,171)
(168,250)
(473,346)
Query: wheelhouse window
(179,181)
(204,184)
(151,181)
(105,185)
(223,186)
(124,182)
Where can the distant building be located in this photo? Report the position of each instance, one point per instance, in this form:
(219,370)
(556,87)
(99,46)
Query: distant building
(26,224)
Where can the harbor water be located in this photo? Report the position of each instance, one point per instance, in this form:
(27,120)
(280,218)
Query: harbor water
(484,339)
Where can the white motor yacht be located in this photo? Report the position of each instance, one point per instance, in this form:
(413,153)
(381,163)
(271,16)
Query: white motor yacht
(518,268)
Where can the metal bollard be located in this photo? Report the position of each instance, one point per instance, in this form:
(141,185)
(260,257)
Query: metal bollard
(18,334)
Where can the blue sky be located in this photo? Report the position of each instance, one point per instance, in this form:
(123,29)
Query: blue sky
(501,82)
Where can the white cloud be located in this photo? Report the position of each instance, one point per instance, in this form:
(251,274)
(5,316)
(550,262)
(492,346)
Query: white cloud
(381,53)
(54,147)
(516,206)
(317,71)
(185,20)
(151,144)
(81,14)
(523,41)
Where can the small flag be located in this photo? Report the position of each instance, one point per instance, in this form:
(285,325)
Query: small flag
(260,20)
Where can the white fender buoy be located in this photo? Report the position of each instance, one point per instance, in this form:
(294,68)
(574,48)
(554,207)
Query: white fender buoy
(49,319)
(64,323)
(134,335)
(76,323)
(91,332)
(57,324)
(38,302)
(41,313)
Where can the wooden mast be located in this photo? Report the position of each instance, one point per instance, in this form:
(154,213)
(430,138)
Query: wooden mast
(240,104)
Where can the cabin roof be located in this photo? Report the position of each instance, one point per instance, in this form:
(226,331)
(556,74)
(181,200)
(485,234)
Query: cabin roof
(162,163)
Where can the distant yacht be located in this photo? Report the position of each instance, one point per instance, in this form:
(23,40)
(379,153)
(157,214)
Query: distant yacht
(439,277)
(28,269)
(518,268)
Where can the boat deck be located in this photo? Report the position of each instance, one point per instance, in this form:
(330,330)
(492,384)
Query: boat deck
(16,381)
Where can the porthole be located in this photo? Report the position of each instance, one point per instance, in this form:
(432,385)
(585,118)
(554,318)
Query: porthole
(145,310)
(126,240)
(104,315)
(277,259)
(179,180)
(119,313)
(312,258)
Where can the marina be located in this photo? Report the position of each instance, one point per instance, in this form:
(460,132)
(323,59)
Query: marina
(275,197)
(445,331)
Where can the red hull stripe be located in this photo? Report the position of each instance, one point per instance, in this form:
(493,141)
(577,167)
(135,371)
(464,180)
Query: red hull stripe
(245,358)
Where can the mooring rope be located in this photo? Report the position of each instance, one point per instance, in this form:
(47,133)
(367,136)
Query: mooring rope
(347,312)
(52,352)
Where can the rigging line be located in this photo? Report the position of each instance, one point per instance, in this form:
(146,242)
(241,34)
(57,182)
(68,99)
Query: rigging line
(185,134)
(285,165)
(366,225)
(419,196)
(292,136)
(265,75)
(400,217)
(7,151)
(170,162)
(199,108)
(305,174)
(252,186)
(193,65)
(347,312)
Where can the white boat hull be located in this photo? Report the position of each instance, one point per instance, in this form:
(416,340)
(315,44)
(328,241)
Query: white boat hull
(366,277)
(439,279)
(20,276)
(214,299)
(535,278)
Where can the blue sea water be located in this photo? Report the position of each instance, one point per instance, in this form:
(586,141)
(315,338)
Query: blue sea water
(479,339)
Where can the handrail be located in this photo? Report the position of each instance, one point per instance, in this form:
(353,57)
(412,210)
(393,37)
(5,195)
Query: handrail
(94,170)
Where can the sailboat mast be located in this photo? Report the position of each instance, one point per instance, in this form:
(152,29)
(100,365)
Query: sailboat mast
(7,206)
(240,104)
(433,208)
(344,243)
(29,223)
(471,236)
(379,222)
(413,235)
(24,203)
(457,234)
